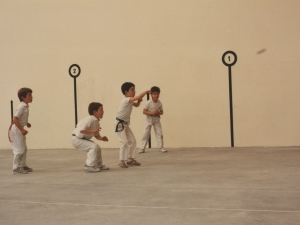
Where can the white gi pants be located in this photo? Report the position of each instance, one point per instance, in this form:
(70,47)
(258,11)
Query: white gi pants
(128,143)
(19,147)
(155,122)
(93,150)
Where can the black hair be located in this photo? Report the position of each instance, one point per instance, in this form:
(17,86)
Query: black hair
(94,106)
(126,86)
(155,89)
(23,92)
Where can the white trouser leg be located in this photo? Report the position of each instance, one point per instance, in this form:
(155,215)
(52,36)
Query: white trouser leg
(131,144)
(158,133)
(146,135)
(128,144)
(99,156)
(19,147)
(93,150)
(123,148)
(24,156)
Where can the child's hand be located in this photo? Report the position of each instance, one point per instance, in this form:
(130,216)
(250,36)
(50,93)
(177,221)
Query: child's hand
(156,113)
(104,138)
(24,132)
(28,125)
(97,129)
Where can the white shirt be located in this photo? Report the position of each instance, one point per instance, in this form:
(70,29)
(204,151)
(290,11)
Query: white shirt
(125,109)
(152,106)
(88,123)
(22,112)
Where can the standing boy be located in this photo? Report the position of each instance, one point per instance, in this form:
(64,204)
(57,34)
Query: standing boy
(86,129)
(126,137)
(153,110)
(17,132)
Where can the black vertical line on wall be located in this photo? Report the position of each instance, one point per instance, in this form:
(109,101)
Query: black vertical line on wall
(149,141)
(75,100)
(11,110)
(231,106)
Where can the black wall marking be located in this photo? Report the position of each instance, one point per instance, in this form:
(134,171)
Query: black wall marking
(149,141)
(74,71)
(11,110)
(229,59)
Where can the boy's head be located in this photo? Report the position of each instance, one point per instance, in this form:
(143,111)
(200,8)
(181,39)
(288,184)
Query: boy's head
(128,87)
(96,109)
(155,91)
(25,94)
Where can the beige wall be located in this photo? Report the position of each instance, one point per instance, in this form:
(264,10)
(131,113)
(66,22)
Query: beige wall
(174,44)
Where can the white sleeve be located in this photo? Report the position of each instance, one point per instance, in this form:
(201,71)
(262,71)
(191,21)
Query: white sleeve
(147,105)
(97,133)
(19,111)
(161,106)
(82,125)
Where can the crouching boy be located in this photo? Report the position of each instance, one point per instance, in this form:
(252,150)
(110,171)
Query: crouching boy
(86,129)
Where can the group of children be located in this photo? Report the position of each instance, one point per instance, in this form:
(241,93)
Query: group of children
(90,127)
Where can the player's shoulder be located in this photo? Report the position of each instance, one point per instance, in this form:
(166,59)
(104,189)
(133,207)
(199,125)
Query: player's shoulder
(87,119)
(125,100)
(148,102)
(22,104)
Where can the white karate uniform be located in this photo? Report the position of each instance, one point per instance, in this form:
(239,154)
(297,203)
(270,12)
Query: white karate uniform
(155,122)
(18,143)
(126,137)
(82,141)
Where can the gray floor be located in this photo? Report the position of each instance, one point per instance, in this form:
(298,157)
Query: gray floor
(184,186)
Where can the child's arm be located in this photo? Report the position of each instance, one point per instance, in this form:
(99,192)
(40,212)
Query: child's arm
(154,113)
(137,104)
(139,97)
(149,113)
(17,123)
(104,138)
(97,129)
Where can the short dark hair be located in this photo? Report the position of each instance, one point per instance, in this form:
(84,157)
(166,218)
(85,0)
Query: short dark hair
(155,89)
(94,106)
(126,86)
(23,92)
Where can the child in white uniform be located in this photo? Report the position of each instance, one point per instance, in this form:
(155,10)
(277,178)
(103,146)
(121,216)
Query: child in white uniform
(153,110)
(86,129)
(17,132)
(126,137)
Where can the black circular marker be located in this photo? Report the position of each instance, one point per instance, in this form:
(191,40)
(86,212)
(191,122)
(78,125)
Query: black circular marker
(74,70)
(227,58)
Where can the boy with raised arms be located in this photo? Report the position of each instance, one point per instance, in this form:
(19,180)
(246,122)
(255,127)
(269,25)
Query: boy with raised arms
(126,137)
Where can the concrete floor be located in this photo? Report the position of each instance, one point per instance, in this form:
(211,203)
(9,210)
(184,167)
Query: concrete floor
(184,186)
